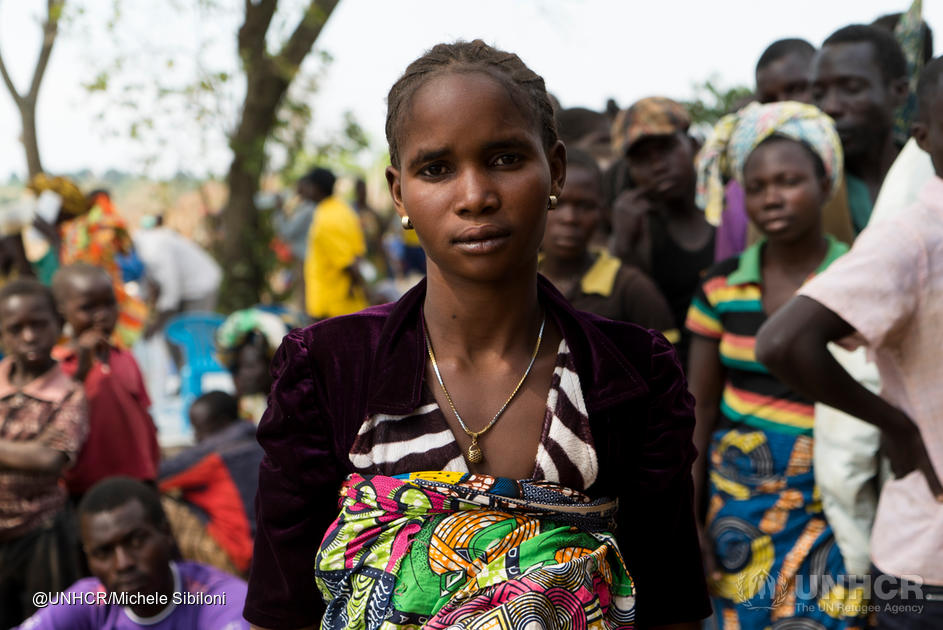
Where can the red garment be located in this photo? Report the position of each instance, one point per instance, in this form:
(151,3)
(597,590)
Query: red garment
(209,485)
(122,438)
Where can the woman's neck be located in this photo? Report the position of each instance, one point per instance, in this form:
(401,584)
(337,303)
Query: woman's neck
(466,320)
(800,257)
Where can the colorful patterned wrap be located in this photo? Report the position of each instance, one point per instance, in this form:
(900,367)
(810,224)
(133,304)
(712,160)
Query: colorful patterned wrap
(98,237)
(455,550)
(776,555)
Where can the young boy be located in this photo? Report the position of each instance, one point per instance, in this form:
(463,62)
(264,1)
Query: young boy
(657,224)
(595,281)
(122,438)
(887,294)
(43,423)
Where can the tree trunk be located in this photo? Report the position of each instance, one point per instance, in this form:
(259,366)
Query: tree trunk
(243,270)
(30,142)
(245,251)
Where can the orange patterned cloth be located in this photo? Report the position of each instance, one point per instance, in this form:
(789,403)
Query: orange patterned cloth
(97,238)
(445,549)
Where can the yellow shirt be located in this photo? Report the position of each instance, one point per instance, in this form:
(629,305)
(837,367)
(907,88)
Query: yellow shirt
(335,241)
(410,238)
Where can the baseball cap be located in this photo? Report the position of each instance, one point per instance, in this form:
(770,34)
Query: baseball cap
(651,116)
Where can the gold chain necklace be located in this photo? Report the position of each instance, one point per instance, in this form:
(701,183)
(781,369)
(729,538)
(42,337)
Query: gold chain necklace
(474,451)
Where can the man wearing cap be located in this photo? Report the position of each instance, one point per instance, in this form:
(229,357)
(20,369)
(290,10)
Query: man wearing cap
(656,223)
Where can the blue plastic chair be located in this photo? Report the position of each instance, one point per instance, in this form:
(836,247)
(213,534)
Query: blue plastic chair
(194,333)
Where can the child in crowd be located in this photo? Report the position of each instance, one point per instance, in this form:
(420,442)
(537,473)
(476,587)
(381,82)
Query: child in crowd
(43,424)
(516,527)
(656,223)
(122,438)
(596,281)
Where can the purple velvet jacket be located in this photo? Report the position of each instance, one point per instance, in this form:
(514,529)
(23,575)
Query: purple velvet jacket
(331,376)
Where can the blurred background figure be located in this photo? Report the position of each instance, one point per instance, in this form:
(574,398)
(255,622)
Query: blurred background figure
(292,222)
(590,131)
(373,230)
(209,489)
(99,236)
(590,278)
(131,550)
(657,226)
(183,276)
(43,425)
(333,282)
(122,437)
(246,343)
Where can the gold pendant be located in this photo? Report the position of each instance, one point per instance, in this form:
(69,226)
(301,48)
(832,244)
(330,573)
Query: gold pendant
(474,453)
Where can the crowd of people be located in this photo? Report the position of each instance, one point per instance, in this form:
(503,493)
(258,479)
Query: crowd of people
(598,369)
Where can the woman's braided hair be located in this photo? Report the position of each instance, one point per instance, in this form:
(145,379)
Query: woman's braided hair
(475,56)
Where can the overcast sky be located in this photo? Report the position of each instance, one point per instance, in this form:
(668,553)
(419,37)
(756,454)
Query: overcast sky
(587,51)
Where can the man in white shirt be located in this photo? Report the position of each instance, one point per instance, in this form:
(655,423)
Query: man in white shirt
(187,277)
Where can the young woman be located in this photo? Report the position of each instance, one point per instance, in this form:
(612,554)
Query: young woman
(768,547)
(484,375)
(246,343)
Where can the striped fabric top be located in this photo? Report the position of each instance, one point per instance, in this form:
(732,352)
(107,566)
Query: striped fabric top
(422,440)
(728,307)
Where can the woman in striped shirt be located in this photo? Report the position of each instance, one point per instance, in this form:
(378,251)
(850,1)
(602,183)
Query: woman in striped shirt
(764,534)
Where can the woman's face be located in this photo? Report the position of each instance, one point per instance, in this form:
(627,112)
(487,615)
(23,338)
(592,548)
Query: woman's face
(251,375)
(474,177)
(571,226)
(784,193)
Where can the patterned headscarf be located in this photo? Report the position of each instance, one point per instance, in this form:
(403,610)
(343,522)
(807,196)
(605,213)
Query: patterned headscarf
(237,328)
(736,135)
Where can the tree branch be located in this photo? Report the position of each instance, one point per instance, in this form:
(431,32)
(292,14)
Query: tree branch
(305,34)
(251,38)
(50,29)
(9,82)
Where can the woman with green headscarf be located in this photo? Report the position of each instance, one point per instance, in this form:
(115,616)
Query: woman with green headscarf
(245,344)
(769,551)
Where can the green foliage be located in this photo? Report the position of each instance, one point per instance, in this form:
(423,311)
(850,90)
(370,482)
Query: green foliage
(341,151)
(98,84)
(712,100)
(164,93)
(152,94)
(56,10)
